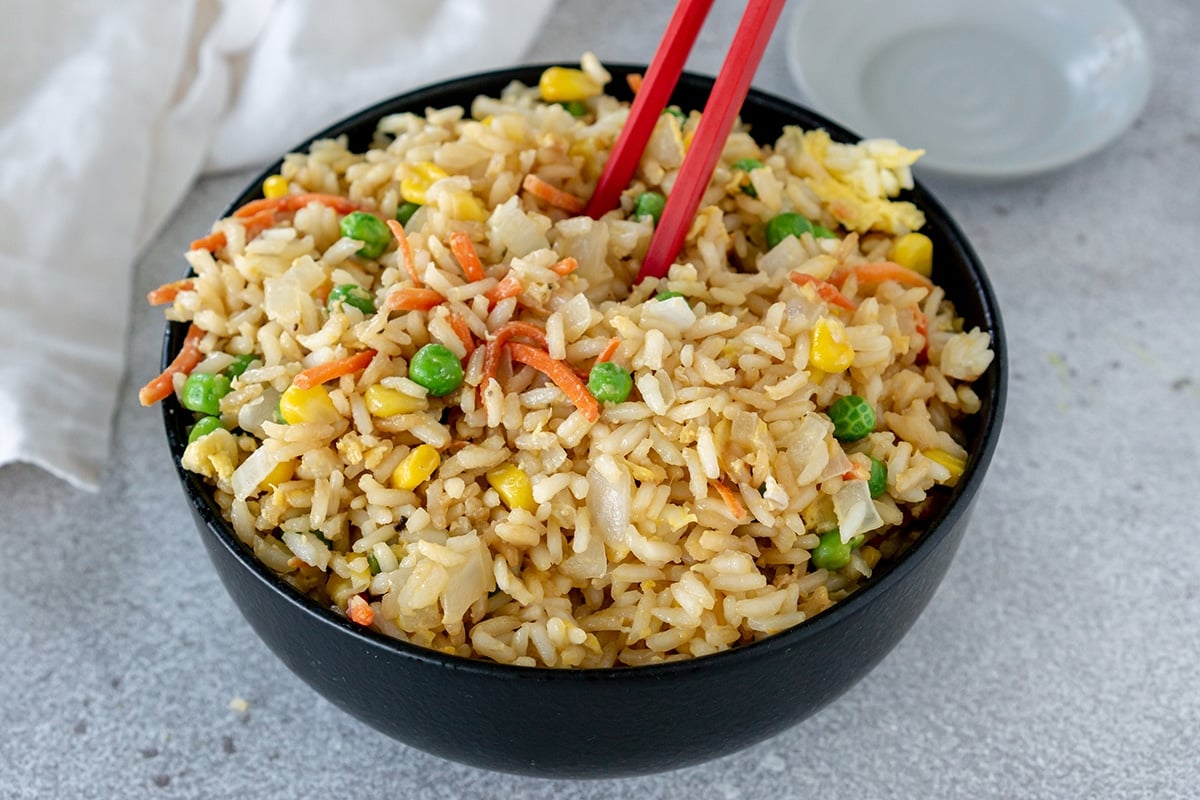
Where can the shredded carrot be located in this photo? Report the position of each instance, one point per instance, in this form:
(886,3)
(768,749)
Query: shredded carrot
(169,291)
(878,273)
(634,79)
(212,243)
(495,345)
(825,290)
(463,332)
(464,250)
(185,361)
(732,501)
(406,251)
(322,291)
(360,611)
(609,350)
(566,266)
(315,376)
(413,298)
(509,286)
(295,202)
(561,373)
(552,195)
(254,224)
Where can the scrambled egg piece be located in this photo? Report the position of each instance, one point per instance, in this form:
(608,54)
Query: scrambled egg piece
(214,456)
(855,181)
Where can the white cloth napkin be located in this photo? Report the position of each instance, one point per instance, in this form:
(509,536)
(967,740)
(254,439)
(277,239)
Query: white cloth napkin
(109,111)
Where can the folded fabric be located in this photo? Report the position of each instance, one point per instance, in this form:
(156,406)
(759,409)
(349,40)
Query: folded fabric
(109,111)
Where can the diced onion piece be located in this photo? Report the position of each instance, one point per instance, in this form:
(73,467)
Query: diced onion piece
(855,510)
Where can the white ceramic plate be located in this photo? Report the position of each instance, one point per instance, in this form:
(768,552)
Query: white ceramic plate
(996,89)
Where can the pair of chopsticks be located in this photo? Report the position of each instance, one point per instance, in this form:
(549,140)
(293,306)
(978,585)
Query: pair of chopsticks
(728,94)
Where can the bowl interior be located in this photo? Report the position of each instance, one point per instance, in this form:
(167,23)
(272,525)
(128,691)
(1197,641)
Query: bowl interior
(988,89)
(959,271)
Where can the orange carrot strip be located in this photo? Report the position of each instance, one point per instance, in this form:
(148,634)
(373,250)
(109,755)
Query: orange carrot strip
(360,611)
(825,290)
(732,501)
(185,361)
(254,224)
(609,350)
(413,298)
(634,79)
(315,376)
(406,251)
(566,266)
(169,291)
(463,332)
(552,195)
(464,250)
(212,243)
(495,345)
(322,291)
(509,286)
(878,273)
(295,202)
(561,373)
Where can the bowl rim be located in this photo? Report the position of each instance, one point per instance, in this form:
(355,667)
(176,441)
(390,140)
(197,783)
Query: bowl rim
(965,169)
(937,527)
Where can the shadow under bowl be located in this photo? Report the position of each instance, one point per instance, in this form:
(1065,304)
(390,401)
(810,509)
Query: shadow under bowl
(624,721)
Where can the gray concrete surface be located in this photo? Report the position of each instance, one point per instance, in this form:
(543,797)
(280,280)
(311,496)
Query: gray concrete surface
(1059,659)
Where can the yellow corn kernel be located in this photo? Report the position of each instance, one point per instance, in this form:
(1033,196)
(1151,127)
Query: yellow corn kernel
(513,486)
(421,176)
(280,473)
(416,467)
(274,186)
(384,402)
(464,205)
(562,84)
(915,251)
(830,352)
(298,405)
(951,462)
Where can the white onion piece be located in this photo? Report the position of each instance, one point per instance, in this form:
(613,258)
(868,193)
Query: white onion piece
(251,472)
(468,583)
(252,415)
(855,509)
(610,495)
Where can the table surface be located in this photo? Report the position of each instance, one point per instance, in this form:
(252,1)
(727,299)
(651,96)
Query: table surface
(1058,659)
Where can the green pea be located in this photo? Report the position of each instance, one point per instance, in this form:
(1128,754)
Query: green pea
(203,427)
(373,564)
(239,365)
(202,391)
(821,232)
(831,552)
(368,229)
(576,108)
(853,418)
(746,165)
(784,225)
(405,212)
(351,295)
(436,368)
(609,383)
(877,483)
(667,295)
(649,204)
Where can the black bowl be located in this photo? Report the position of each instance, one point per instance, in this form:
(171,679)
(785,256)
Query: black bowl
(608,722)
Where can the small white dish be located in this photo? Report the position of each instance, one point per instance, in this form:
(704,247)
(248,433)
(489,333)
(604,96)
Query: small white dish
(998,89)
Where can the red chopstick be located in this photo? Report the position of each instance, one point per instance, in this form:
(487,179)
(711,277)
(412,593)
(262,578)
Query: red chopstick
(648,104)
(728,94)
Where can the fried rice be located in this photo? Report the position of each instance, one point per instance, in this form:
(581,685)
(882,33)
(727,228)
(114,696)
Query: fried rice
(514,518)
